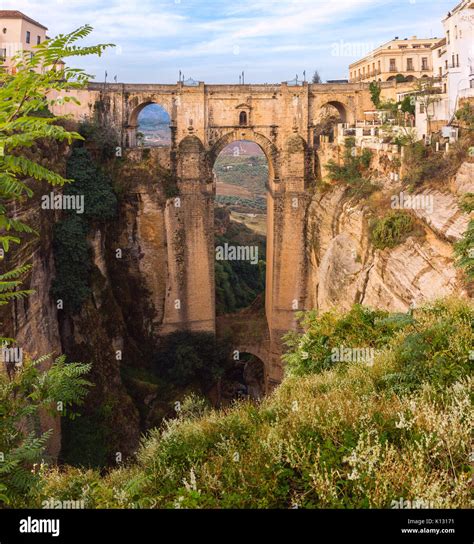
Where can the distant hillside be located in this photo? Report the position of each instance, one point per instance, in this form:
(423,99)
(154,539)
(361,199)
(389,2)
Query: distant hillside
(153,115)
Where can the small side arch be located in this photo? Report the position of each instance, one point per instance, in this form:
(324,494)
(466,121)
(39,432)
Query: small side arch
(132,126)
(341,108)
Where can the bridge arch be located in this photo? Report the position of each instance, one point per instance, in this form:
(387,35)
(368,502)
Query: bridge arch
(133,119)
(269,149)
(341,108)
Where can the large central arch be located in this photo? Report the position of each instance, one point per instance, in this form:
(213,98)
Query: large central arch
(272,156)
(269,149)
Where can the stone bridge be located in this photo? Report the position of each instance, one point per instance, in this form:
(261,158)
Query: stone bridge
(281,119)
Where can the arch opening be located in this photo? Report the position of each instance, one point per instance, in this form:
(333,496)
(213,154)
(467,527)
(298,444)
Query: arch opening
(245,379)
(240,178)
(151,124)
(330,115)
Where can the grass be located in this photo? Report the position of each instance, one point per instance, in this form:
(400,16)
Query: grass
(351,436)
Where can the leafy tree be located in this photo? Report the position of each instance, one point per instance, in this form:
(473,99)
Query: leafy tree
(428,94)
(40,81)
(23,393)
(316,78)
(375,90)
(185,358)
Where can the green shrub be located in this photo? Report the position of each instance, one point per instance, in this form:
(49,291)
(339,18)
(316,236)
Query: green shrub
(355,169)
(102,137)
(72,263)
(360,327)
(353,437)
(100,202)
(391,230)
(25,393)
(464,250)
(186,358)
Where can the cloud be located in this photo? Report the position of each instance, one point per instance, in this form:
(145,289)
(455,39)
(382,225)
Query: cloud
(158,37)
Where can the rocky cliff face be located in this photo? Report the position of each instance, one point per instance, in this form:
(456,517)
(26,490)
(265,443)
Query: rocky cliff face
(345,268)
(118,327)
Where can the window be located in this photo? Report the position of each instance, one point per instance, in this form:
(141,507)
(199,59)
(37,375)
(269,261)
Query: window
(410,65)
(456,32)
(3,53)
(440,71)
(243,118)
(454,63)
(444,88)
(448,39)
(38,40)
(28,36)
(422,108)
(393,65)
(457,61)
(424,63)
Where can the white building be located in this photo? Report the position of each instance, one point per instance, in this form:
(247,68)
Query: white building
(453,67)
(459,63)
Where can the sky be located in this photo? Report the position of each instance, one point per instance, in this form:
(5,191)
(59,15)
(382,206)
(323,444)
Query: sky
(215,40)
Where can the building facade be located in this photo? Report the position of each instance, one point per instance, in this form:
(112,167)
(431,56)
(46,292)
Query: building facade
(453,66)
(459,62)
(18,32)
(408,58)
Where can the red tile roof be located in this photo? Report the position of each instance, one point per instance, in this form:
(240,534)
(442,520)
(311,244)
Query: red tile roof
(15,14)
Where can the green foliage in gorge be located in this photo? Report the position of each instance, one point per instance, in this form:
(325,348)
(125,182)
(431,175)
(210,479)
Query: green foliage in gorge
(72,262)
(351,436)
(71,250)
(186,358)
(354,171)
(30,387)
(312,351)
(391,230)
(39,82)
(25,391)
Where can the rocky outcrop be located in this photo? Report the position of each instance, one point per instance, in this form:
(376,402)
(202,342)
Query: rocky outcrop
(345,268)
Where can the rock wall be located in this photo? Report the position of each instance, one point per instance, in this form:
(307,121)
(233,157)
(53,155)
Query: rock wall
(345,268)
